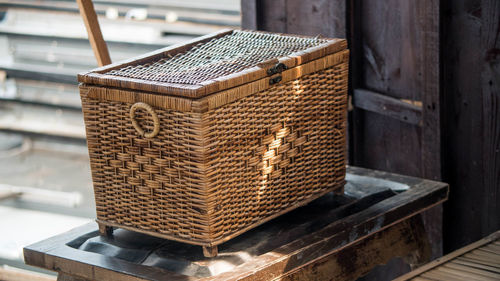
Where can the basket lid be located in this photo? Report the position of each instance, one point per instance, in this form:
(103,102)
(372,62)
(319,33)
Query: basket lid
(212,63)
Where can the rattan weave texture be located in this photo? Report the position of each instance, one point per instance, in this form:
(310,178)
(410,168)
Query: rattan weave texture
(229,54)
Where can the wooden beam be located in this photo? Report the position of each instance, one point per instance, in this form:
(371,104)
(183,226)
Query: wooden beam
(388,106)
(94,31)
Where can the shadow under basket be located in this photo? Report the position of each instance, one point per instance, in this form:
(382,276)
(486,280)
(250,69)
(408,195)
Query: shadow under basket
(201,142)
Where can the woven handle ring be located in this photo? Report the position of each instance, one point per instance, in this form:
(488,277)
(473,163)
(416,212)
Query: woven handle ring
(150,110)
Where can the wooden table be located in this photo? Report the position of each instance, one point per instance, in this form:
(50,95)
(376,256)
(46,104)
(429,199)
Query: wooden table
(334,237)
(477,261)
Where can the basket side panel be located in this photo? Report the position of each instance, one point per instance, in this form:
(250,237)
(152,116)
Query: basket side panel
(272,150)
(153,184)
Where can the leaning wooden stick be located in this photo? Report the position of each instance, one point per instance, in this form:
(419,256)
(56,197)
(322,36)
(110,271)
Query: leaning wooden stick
(94,31)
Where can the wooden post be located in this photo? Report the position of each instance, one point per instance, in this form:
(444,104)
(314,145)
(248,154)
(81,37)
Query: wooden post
(94,31)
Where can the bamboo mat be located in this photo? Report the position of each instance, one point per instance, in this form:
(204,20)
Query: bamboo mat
(477,261)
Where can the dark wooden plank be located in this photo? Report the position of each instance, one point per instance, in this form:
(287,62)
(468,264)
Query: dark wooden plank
(316,17)
(388,106)
(271,15)
(471,127)
(462,131)
(428,73)
(429,76)
(384,59)
(390,47)
(355,116)
(490,82)
(390,65)
(398,57)
(249,14)
(386,65)
(353,262)
(55,255)
(387,144)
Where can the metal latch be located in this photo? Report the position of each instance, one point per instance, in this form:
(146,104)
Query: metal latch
(275,80)
(278,68)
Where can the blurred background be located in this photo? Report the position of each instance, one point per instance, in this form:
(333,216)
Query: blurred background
(45,184)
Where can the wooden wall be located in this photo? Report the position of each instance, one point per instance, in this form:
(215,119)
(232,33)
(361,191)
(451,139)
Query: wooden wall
(395,81)
(470,50)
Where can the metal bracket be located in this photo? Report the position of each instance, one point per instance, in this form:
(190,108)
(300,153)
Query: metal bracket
(275,80)
(278,68)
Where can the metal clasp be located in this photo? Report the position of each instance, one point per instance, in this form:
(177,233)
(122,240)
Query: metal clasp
(278,68)
(275,80)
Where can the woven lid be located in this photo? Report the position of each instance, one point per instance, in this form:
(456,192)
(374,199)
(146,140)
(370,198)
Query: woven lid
(212,63)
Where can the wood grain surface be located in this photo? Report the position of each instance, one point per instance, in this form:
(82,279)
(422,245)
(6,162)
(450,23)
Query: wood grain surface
(471,125)
(94,31)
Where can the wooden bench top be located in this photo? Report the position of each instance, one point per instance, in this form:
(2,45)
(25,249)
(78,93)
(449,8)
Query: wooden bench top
(377,209)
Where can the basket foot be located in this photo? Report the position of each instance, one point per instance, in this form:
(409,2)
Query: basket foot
(210,252)
(105,230)
(339,191)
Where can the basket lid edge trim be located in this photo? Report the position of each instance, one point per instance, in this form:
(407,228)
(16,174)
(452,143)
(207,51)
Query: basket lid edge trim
(213,100)
(96,76)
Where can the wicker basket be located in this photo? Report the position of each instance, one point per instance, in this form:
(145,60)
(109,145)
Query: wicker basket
(201,142)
